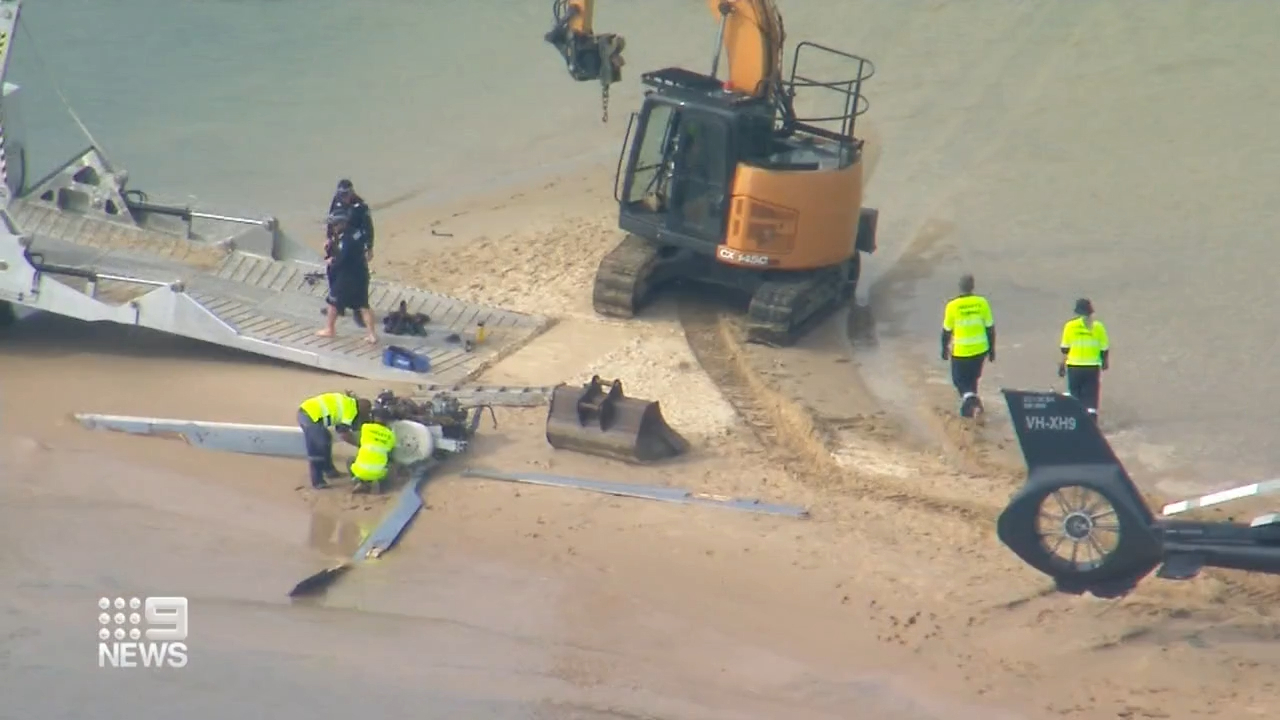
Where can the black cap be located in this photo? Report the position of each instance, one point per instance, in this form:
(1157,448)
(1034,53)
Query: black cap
(1084,307)
(344,185)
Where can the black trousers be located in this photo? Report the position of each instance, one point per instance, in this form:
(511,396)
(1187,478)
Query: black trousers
(349,288)
(966,372)
(319,446)
(1084,383)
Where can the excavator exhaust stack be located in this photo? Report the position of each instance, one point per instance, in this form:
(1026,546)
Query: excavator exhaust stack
(599,419)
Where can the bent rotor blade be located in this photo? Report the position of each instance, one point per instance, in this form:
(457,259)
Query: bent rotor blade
(1266,487)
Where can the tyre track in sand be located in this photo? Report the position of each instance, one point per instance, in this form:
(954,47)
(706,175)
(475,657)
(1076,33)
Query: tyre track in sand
(791,433)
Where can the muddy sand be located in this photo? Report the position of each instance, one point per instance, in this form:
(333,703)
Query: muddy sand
(895,598)
(905,504)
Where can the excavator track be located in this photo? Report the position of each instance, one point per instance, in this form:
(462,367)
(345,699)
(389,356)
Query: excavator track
(782,310)
(625,277)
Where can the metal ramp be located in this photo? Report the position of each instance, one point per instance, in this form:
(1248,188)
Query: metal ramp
(80,243)
(98,270)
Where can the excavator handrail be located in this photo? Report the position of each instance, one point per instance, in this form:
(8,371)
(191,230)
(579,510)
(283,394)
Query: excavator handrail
(866,68)
(855,103)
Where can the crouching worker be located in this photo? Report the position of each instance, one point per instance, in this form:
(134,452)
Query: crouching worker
(318,417)
(377,441)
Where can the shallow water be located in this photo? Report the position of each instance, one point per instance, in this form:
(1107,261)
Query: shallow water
(1120,153)
(432,629)
(262,106)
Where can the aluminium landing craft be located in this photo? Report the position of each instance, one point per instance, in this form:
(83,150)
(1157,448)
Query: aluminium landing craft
(81,243)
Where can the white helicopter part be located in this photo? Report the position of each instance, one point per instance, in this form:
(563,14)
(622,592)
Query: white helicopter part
(415,442)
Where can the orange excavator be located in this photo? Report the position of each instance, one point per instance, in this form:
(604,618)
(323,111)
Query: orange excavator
(721,182)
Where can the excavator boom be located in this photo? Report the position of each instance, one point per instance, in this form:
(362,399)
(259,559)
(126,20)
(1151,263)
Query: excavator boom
(751,39)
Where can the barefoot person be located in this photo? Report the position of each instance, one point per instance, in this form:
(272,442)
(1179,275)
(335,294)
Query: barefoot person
(331,249)
(349,288)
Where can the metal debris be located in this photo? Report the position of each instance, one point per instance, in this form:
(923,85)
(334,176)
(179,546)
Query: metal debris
(1266,487)
(496,395)
(274,440)
(382,539)
(393,524)
(599,419)
(642,492)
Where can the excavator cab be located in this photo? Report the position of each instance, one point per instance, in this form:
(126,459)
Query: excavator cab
(717,174)
(678,177)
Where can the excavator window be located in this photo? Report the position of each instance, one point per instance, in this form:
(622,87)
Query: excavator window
(680,170)
(647,176)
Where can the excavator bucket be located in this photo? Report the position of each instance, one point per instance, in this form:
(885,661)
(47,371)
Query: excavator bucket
(598,419)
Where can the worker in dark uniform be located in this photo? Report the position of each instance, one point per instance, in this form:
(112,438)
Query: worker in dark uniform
(1086,353)
(349,286)
(361,218)
(968,340)
(318,417)
(357,210)
(330,249)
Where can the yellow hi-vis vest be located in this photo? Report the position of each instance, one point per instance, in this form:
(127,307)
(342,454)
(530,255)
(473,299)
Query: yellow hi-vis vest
(331,409)
(1084,343)
(376,443)
(967,319)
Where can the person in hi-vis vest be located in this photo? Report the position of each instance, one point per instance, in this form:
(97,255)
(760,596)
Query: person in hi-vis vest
(968,341)
(318,416)
(1086,352)
(372,461)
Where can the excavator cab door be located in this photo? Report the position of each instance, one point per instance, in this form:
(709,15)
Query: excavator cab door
(680,170)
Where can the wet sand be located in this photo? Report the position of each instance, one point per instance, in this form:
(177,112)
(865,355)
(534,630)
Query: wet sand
(1120,153)
(894,600)
(501,602)
(902,509)
(572,603)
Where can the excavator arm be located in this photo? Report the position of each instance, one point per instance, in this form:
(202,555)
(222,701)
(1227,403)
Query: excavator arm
(587,55)
(751,38)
